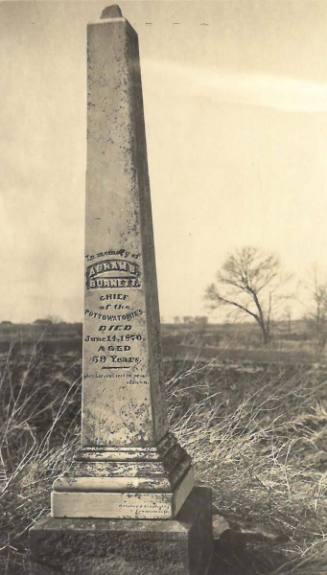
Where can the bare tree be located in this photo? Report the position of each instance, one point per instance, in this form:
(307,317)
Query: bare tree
(249,282)
(317,316)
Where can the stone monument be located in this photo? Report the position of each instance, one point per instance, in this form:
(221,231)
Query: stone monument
(128,503)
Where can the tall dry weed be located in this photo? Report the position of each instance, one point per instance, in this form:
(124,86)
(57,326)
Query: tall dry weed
(39,422)
(260,441)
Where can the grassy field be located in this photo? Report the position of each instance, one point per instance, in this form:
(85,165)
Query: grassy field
(257,435)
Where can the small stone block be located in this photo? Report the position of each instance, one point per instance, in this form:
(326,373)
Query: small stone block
(180,546)
(113,11)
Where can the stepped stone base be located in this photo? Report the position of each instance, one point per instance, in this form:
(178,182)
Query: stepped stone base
(131,483)
(180,546)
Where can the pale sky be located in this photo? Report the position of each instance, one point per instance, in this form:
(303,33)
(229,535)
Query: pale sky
(235,101)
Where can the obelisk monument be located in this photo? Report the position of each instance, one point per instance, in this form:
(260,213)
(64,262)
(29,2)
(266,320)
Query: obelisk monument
(129,466)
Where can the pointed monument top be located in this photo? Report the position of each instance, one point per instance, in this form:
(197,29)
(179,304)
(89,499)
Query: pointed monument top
(113,11)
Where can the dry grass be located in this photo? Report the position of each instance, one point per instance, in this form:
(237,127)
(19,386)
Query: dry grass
(261,444)
(39,419)
(258,439)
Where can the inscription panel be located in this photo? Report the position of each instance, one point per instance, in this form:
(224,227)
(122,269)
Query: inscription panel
(115,323)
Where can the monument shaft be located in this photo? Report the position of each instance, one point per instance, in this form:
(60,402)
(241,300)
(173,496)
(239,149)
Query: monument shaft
(122,400)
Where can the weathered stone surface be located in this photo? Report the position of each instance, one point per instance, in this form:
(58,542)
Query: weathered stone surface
(129,465)
(123,401)
(182,546)
(115,503)
(110,483)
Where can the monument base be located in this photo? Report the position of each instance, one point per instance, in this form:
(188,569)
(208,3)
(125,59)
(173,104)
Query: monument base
(131,483)
(180,546)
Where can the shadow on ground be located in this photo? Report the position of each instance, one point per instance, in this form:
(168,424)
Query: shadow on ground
(239,554)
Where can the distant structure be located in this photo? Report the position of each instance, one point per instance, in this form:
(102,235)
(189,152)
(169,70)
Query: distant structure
(42,322)
(199,320)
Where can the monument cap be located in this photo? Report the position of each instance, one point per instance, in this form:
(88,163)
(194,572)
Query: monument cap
(113,11)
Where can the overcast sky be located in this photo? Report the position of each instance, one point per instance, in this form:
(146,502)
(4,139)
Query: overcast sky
(236,115)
